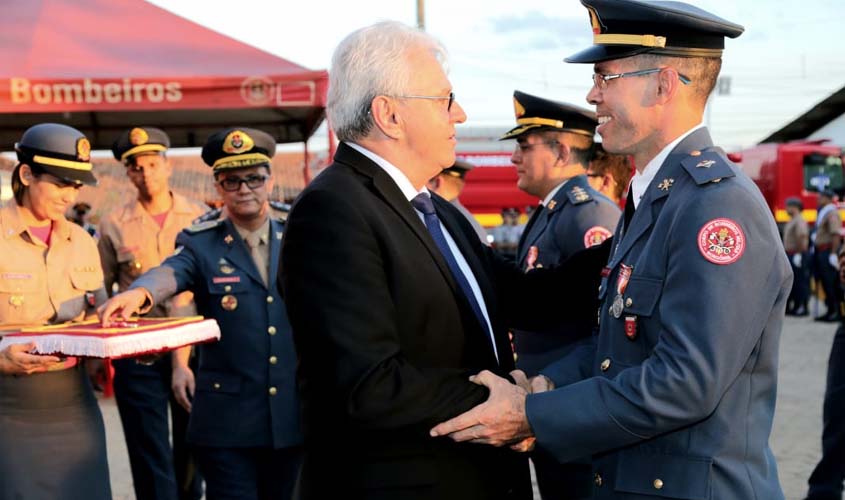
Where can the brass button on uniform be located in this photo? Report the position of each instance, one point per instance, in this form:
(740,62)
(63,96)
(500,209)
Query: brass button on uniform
(597,479)
(227,288)
(629,302)
(272,391)
(605,365)
(269,299)
(273,360)
(216,385)
(658,484)
(271,330)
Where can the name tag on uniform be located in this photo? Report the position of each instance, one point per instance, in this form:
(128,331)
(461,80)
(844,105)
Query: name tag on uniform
(225,279)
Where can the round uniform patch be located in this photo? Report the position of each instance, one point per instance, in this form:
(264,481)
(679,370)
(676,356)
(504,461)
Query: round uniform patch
(596,236)
(721,241)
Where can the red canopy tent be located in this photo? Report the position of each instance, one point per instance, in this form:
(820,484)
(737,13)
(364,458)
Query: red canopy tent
(106,65)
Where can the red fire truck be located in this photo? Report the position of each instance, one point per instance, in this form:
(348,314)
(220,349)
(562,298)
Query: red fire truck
(491,186)
(800,168)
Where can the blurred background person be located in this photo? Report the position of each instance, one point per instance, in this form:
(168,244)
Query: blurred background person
(449,184)
(506,236)
(609,174)
(79,215)
(134,239)
(51,431)
(796,243)
(825,247)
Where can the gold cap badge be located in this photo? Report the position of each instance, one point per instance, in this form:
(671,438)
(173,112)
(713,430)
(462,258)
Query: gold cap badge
(138,136)
(237,142)
(83,149)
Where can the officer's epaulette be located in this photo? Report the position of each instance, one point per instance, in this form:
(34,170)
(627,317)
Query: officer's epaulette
(578,195)
(280,210)
(203,226)
(707,166)
(211,215)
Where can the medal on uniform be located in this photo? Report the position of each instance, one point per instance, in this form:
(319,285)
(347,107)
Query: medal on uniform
(622,279)
(229,302)
(224,267)
(16,300)
(631,327)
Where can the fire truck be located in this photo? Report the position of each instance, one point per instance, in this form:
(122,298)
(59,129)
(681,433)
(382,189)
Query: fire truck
(800,169)
(491,187)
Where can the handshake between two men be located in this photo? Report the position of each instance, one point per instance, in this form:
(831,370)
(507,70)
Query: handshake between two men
(501,420)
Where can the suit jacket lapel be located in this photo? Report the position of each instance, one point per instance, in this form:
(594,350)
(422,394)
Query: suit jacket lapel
(648,208)
(275,242)
(384,187)
(530,235)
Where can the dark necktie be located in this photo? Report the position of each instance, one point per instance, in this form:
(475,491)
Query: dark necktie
(423,203)
(629,208)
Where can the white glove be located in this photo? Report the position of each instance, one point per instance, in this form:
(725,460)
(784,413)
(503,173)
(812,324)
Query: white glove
(833,260)
(796,260)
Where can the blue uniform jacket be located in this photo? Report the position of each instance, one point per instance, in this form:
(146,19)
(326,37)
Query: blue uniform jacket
(246,393)
(680,389)
(577,217)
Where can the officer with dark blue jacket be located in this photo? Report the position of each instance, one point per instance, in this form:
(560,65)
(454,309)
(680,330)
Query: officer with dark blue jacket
(553,147)
(244,420)
(677,397)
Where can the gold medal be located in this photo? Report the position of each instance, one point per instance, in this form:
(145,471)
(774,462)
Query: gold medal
(229,302)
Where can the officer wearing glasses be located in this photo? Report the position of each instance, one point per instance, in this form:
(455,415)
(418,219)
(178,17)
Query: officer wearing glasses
(244,422)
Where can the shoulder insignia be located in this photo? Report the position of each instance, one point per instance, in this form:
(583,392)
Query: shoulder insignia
(203,226)
(596,236)
(578,195)
(279,210)
(721,241)
(211,215)
(707,166)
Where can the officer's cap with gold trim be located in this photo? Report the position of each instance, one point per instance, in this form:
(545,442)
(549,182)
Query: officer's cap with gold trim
(459,169)
(534,114)
(59,150)
(139,141)
(238,147)
(625,28)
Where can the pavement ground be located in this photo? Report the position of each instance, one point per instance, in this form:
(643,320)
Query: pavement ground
(796,437)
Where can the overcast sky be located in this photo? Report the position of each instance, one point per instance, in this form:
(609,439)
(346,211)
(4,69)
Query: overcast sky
(791,56)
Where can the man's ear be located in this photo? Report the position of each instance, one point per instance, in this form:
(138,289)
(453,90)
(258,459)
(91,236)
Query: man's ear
(386,116)
(25,174)
(668,82)
(564,153)
(434,183)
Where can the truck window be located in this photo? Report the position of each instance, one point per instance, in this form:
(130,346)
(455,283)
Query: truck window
(823,171)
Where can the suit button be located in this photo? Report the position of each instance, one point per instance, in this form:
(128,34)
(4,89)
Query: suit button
(272,391)
(658,484)
(273,360)
(629,302)
(597,479)
(269,299)
(227,288)
(216,385)
(605,365)
(271,330)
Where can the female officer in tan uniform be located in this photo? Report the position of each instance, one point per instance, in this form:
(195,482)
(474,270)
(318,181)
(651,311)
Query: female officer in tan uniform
(52,440)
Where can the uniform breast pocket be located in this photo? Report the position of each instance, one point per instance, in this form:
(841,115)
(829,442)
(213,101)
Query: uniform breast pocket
(218,382)
(17,297)
(130,264)
(641,296)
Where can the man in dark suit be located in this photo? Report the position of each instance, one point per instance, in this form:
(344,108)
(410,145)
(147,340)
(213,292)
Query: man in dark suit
(244,422)
(553,145)
(676,399)
(394,300)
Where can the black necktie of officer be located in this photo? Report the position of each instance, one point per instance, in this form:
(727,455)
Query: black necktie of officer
(423,203)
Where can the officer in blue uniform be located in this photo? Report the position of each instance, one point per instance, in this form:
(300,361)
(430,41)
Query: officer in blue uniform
(677,398)
(244,421)
(554,143)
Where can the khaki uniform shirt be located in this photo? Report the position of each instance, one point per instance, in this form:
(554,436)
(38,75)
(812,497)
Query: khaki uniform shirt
(828,228)
(46,285)
(131,243)
(795,235)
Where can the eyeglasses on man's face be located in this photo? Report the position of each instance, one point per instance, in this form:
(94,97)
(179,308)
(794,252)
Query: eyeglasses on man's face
(600,80)
(450,98)
(233,183)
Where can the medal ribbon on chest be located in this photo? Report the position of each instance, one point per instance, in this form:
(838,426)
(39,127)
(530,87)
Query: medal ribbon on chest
(621,284)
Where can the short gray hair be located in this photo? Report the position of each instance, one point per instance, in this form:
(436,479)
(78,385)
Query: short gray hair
(370,62)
